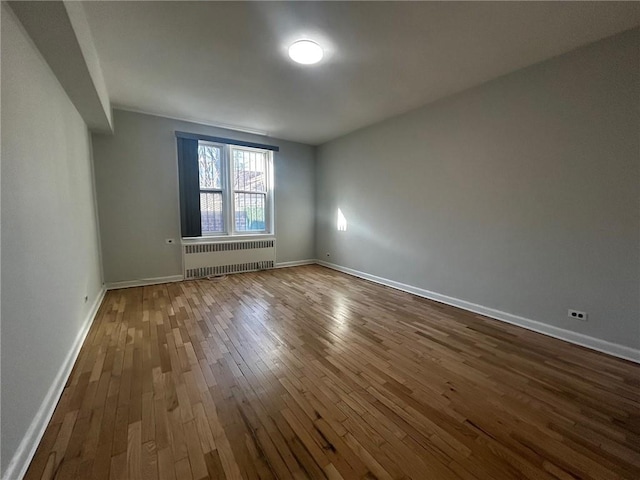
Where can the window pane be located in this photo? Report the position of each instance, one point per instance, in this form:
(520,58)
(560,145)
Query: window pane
(250,215)
(211,212)
(249,170)
(209,165)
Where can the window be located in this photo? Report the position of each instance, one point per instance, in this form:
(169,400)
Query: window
(211,192)
(249,175)
(225,189)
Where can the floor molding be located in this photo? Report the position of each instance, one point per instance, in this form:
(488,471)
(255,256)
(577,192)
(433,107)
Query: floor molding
(620,351)
(295,263)
(19,464)
(144,281)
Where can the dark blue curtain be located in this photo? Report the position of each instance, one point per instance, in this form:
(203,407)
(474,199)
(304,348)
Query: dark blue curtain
(189,187)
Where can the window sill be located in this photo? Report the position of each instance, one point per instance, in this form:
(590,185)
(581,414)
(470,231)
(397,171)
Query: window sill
(227,238)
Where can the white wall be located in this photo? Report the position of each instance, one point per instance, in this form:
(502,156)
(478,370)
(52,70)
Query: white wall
(137,186)
(50,258)
(521,195)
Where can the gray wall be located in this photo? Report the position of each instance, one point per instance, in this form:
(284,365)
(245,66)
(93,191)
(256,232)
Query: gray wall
(50,257)
(137,186)
(521,195)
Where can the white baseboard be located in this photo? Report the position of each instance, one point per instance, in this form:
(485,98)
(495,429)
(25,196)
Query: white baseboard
(620,351)
(19,464)
(144,281)
(295,263)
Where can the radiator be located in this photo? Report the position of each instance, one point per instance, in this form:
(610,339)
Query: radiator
(220,258)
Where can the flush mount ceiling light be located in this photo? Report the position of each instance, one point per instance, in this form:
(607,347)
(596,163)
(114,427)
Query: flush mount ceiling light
(306,52)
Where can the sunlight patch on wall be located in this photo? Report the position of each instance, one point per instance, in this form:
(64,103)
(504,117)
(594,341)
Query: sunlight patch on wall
(342,221)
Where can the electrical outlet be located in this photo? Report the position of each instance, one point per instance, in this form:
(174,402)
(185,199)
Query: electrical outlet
(169,241)
(577,315)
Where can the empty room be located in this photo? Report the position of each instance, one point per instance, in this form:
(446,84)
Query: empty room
(342,240)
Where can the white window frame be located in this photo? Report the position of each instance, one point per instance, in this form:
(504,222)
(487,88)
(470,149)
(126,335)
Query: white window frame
(228,197)
(223,187)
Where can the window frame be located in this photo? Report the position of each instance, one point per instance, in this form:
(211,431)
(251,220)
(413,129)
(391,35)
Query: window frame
(222,189)
(228,192)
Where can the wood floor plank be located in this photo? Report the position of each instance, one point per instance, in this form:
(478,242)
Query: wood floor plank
(134,450)
(166,470)
(309,373)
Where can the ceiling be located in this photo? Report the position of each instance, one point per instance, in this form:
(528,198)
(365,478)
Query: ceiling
(225,63)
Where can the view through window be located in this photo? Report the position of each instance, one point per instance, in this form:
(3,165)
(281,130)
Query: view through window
(234,189)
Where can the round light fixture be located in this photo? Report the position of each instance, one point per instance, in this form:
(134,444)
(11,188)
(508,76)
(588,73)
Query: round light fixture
(306,52)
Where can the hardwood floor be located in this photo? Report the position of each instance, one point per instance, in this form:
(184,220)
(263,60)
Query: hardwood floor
(309,373)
